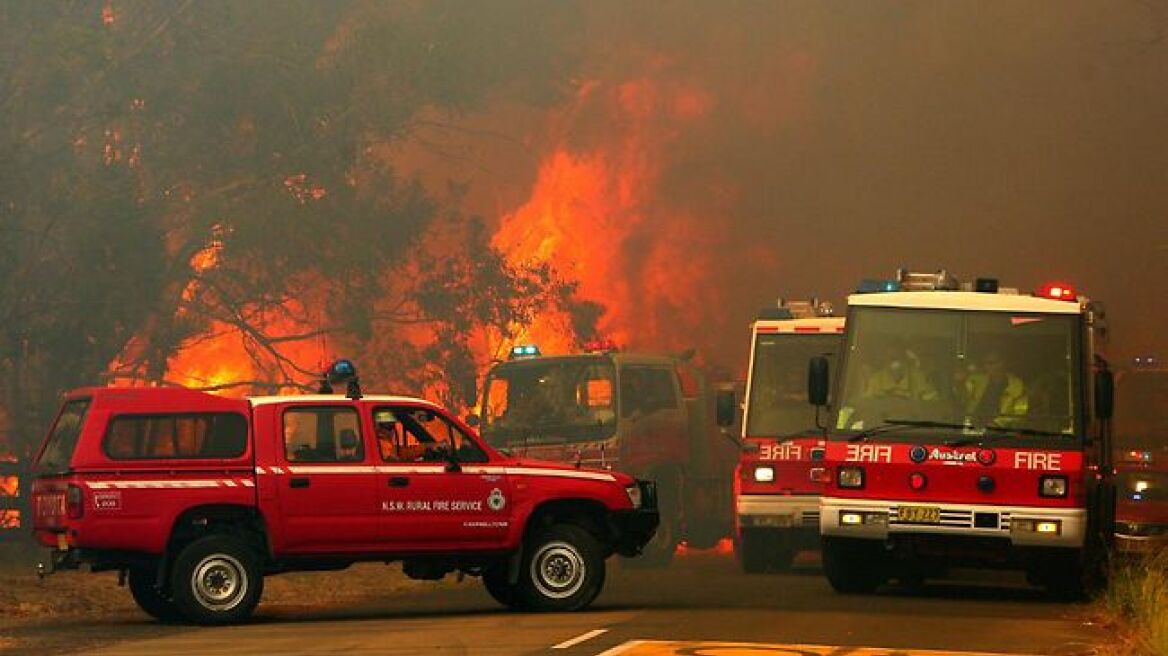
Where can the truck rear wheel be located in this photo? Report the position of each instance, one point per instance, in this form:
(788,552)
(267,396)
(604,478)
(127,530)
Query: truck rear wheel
(500,589)
(216,580)
(563,569)
(142,582)
(852,566)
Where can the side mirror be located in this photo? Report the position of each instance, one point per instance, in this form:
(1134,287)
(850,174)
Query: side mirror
(751,447)
(473,420)
(818,381)
(725,407)
(1104,394)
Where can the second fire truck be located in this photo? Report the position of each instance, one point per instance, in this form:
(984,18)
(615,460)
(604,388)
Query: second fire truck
(970,428)
(776,503)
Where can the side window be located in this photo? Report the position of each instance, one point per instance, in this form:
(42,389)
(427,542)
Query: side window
(330,434)
(187,436)
(420,435)
(646,390)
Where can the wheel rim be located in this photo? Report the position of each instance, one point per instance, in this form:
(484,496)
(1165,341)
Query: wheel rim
(558,570)
(219,582)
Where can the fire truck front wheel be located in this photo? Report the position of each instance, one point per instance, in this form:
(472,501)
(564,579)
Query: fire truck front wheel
(562,570)
(852,566)
(216,580)
(760,550)
(142,582)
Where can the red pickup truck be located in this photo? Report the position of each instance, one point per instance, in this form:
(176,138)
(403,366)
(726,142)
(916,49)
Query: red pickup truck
(195,498)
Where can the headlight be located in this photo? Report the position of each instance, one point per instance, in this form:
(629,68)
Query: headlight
(1052,486)
(850,477)
(634,492)
(764,474)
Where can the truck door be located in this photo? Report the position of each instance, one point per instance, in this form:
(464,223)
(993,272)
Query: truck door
(436,492)
(328,485)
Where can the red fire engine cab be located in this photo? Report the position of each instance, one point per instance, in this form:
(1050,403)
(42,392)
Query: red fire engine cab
(650,415)
(970,428)
(776,503)
(195,498)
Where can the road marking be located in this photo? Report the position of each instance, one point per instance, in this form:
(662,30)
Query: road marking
(580,638)
(711,648)
(623,648)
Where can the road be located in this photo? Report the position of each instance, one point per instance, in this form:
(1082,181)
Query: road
(700,605)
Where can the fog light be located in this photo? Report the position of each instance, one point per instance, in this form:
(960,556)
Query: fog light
(851,519)
(877,519)
(764,474)
(1022,525)
(1048,527)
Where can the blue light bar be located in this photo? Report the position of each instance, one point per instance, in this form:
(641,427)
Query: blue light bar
(524,351)
(872,286)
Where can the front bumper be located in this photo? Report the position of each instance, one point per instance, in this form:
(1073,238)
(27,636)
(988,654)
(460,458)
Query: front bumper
(778,511)
(634,528)
(879,520)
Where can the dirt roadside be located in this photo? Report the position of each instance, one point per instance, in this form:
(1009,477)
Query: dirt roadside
(78,610)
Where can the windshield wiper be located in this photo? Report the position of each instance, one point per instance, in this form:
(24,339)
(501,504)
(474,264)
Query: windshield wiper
(1001,434)
(891,424)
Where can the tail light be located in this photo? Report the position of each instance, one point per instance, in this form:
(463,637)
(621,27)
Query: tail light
(74,502)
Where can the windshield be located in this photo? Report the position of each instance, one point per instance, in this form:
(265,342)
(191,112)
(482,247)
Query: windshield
(58,451)
(960,372)
(1142,486)
(1141,410)
(777,404)
(549,401)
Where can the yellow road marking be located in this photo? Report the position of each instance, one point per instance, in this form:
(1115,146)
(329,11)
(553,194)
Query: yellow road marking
(712,648)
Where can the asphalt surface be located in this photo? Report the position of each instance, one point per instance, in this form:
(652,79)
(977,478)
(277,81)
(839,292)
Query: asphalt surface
(700,605)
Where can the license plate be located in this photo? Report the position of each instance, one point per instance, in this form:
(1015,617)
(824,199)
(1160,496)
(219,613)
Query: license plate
(775,521)
(918,515)
(62,543)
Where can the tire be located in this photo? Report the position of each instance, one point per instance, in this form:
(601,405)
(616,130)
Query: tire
(760,551)
(500,589)
(563,569)
(851,566)
(216,580)
(142,583)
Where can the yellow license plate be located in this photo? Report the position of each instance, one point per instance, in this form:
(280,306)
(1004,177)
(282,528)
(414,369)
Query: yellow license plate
(918,515)
(62,542)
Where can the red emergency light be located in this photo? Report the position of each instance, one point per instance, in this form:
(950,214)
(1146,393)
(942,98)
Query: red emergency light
(1058,292)
(600,345)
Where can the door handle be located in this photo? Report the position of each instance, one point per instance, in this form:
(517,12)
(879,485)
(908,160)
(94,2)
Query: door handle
(399,481)
(298,482)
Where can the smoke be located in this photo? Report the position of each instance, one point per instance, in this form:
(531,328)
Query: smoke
(716,157)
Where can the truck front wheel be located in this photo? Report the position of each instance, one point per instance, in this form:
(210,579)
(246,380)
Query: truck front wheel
(142,582)
(760,550)
(563,569)
(852,566)
(216,580)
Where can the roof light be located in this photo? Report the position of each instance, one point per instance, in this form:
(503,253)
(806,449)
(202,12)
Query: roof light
(916,281)
(1058,292)
(524,351)
(1138,456)
(874,286)
(986,285)
(600,345)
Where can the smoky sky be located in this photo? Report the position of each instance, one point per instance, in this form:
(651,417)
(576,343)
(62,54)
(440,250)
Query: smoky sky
(842,140)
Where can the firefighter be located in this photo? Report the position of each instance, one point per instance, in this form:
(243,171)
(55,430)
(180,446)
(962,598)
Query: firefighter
(992,395)
(900,376)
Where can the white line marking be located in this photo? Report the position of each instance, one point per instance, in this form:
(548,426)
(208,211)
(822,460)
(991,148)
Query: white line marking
(622,648)
(580,638)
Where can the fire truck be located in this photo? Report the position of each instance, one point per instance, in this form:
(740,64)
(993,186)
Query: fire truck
(970,427)
(776,502)
(649,415)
